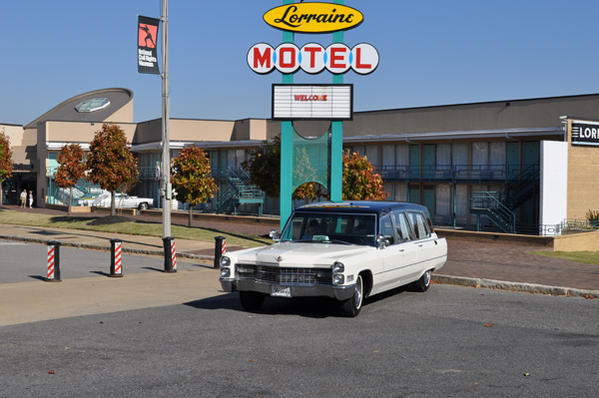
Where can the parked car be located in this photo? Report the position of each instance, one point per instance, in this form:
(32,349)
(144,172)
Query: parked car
(122,201)
(347,251)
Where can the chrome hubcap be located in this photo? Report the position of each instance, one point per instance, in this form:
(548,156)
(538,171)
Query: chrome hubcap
(427,278)
(358,293)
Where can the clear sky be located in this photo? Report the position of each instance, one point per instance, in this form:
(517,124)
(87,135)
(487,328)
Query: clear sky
(431,53)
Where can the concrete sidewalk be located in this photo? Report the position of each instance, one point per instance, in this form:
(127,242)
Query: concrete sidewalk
(138,244)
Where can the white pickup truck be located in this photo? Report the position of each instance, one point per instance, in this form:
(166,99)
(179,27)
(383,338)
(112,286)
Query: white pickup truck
(347,251)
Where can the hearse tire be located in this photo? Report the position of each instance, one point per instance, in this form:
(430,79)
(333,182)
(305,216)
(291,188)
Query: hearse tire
(251,301)
(351,307)
(422,284)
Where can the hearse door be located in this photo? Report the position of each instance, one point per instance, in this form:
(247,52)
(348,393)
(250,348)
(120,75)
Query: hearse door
(391,256)
(407,249)
(425,244)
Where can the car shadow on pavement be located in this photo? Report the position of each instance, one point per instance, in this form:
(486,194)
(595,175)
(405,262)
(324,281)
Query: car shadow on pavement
(309,307)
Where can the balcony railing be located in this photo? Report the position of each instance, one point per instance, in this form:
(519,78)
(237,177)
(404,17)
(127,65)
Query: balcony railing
(466,172)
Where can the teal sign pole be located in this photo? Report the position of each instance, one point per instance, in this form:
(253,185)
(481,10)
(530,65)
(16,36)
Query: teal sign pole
(336,183)
(286,182)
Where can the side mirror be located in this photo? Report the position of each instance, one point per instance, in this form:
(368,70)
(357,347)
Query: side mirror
(274,235)
(381,242)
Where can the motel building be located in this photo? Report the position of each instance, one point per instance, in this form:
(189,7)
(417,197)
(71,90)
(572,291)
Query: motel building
(524,166)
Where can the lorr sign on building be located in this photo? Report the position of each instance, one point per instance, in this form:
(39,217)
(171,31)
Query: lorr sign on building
(302,101)
(585,133)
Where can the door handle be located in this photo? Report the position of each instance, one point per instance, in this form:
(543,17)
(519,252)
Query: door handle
(401,250)
(420,245)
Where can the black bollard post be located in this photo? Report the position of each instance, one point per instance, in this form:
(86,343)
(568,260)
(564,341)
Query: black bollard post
(116,266)
(220,248)
(170,255)
(53,272)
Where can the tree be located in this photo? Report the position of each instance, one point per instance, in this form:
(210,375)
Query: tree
(264,166)
(191,177)
(71,169)
(360,181)
(5,162)
(110,163)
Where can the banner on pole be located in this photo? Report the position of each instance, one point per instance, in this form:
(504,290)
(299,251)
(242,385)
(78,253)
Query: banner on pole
(147,39)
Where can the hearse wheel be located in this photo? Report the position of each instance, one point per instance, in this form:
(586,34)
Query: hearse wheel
(352,306)
(422,284)
(251,301)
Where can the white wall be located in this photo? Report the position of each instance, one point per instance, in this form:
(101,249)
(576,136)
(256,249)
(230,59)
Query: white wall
(554,184)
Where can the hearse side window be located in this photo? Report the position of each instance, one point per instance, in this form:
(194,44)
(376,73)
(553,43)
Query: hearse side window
(402,226)
(387,229)
(419,225)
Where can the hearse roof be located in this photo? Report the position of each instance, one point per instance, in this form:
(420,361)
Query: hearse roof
(358,206)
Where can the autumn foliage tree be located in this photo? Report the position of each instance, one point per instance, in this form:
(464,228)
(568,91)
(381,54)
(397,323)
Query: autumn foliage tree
(360,181)
(71,168)
(5,162)
(110,163)
(191,177)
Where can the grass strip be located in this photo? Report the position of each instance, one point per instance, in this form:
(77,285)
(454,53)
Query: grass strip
(124,225)
(586,257)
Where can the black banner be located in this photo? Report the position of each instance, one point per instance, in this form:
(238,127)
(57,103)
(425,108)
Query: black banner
(585,134)
(147,42)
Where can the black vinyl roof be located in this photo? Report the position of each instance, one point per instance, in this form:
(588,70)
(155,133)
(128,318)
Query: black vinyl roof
(358,206)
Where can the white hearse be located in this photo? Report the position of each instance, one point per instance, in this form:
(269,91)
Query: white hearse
(347,251)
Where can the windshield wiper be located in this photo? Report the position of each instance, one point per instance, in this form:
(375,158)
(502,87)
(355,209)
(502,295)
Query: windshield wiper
(339,241)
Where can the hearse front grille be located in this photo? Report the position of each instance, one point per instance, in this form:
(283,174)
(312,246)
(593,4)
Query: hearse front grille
(285,275)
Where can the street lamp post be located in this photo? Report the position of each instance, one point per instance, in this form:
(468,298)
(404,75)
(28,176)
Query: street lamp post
(165,188)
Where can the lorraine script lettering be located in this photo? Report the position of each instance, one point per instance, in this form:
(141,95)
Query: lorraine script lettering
(293,19)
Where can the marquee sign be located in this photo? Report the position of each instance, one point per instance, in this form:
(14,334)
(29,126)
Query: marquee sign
(312,58)
(585,133)
(303,101)
(313,17)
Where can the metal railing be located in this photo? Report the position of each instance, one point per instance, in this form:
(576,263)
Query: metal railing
(463,172)
(487,203)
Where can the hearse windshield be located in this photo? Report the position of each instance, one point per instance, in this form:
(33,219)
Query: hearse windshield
(343,228)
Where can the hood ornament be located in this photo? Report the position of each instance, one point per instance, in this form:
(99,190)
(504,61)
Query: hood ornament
(279,259)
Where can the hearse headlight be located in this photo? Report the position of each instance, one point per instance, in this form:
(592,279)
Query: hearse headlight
(338,268)
(338,279)
(225,261)
(225,272)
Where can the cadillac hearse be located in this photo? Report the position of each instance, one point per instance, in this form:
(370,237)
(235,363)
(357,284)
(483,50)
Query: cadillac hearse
(347,251)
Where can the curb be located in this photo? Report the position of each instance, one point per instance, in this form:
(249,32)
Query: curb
(515,286)
(107,248)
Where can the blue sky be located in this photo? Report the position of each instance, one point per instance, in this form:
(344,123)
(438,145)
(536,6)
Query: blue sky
(431,53)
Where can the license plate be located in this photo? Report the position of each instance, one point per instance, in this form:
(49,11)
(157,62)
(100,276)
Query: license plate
(279,291)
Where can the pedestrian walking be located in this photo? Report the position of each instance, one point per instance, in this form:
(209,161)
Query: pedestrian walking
(30,199)
(23,198)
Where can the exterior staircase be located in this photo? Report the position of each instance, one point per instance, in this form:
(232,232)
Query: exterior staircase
(488,204)
(235,189)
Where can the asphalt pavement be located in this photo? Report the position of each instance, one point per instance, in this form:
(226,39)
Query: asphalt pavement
(448,342)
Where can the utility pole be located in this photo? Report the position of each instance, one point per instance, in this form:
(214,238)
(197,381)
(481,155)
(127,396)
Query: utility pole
(165,186)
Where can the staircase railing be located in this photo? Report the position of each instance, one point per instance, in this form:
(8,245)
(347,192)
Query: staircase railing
(486,202)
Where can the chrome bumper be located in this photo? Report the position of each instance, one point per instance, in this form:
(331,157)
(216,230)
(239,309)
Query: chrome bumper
(337,292)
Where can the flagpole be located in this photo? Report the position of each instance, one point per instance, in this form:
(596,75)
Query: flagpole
(165,191)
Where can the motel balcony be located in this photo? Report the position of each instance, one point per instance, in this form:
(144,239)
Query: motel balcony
(467,173)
